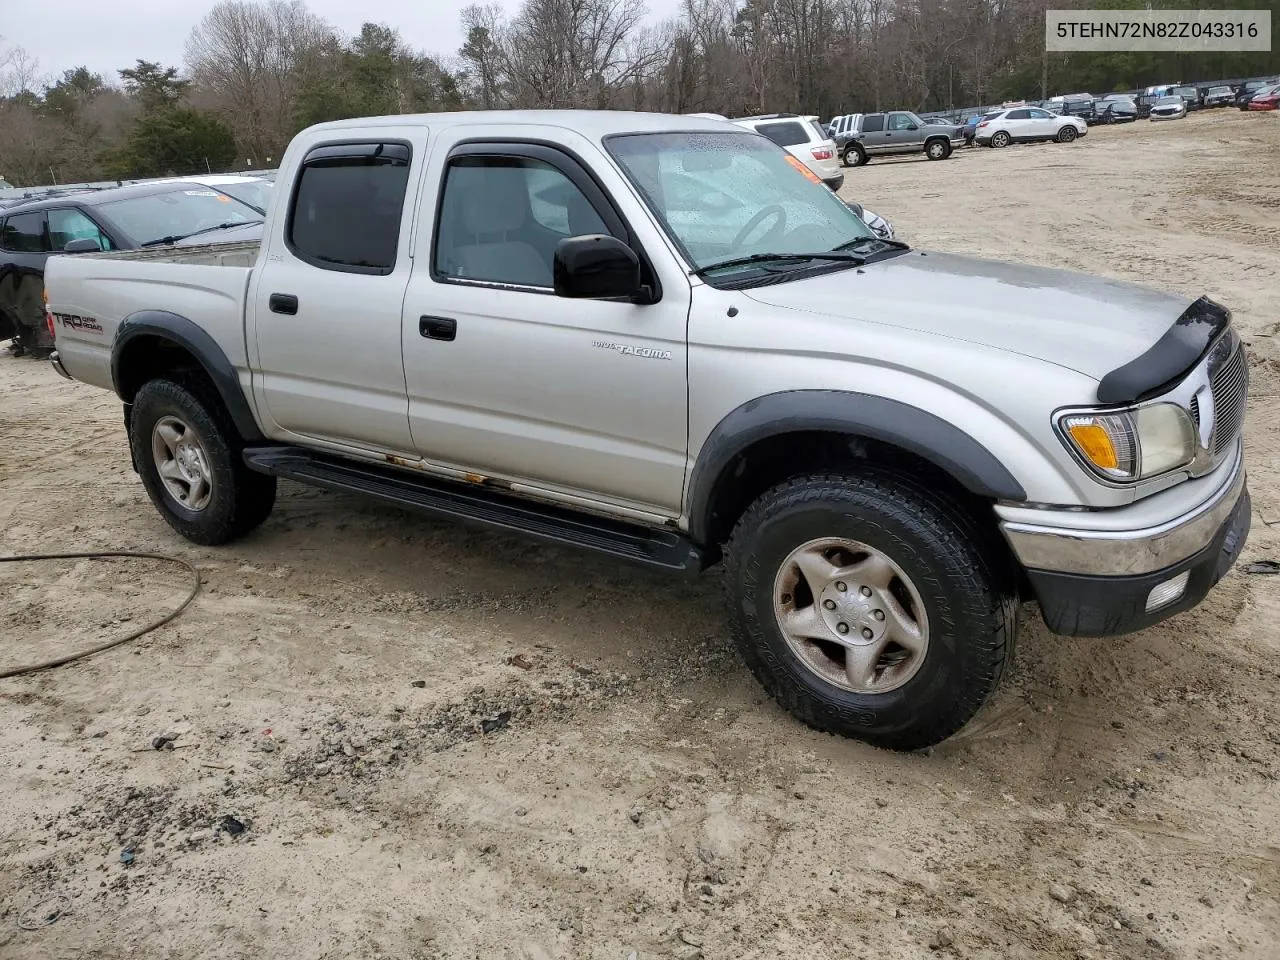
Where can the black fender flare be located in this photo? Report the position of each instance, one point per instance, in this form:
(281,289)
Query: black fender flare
(196,341)
(857,415)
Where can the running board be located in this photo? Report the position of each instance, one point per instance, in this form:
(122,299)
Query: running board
(666,549)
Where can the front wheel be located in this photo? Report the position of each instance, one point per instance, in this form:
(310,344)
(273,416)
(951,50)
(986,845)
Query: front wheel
(937,149)
(1067,134)
(868,607)
(189,458)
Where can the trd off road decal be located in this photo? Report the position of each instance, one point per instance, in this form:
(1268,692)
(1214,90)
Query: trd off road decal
(73,322)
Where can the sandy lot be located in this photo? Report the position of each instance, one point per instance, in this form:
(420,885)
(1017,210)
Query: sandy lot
(447,744)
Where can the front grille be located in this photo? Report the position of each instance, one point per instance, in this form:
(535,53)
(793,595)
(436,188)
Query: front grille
(1230,385)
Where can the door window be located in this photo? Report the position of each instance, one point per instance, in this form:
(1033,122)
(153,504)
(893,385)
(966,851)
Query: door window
(347,207)
(1019,115)
(24,233)
(68,225)
(502,216)
(789,134)
(900,121)
(1040,115)
(873,124)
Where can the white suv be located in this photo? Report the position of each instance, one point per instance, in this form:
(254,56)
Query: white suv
(1026,124)
(803,138)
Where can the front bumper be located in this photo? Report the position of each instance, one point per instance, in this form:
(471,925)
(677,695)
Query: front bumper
(1100,581)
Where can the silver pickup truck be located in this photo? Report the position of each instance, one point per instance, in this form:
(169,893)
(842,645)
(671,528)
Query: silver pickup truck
(657,338)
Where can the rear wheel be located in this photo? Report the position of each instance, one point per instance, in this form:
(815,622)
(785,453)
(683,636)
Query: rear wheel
(868,607)
(853,156)
(189,458)
(1000,139)
(937,149)
(1067,134)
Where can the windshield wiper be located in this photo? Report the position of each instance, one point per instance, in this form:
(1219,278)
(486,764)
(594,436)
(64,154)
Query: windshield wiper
(782,257)
(174,238)
(857,241)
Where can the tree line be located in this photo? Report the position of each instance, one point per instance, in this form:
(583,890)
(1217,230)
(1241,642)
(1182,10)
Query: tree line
(257,71)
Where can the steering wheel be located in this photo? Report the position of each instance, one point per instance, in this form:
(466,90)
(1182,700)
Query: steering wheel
(775,210)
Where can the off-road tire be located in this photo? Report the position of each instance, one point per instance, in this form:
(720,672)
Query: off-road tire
(941,154)
(965,582)
(241,499)
(854,156)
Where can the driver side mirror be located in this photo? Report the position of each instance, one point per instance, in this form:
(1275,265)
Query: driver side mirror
(597,266)
(912,126)
(83,245)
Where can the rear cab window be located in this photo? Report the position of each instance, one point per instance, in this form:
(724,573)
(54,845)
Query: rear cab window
(347,207)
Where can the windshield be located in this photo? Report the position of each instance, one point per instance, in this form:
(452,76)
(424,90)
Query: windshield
(1185,91)
(1167,101)
(256,193)
(176,213)
(1219,91)
(729,195)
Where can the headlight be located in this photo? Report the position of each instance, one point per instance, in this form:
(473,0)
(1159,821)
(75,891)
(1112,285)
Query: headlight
(1132,444)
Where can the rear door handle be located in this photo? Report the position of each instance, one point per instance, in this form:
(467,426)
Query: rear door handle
(438,328)
(285,303)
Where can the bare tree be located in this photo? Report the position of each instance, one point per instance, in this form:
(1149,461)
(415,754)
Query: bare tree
(482,52)
(247,56)
(19,72)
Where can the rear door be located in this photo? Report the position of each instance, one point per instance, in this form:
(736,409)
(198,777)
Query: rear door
(326,301)
(873,133)
(1018,124)
(24,248)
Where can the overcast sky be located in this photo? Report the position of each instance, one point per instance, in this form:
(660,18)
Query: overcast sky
(106,35)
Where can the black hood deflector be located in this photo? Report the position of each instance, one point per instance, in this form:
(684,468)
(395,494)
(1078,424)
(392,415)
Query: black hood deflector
(1169,359)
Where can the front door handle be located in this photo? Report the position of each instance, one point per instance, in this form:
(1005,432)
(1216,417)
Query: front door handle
(438,328)
(285,303)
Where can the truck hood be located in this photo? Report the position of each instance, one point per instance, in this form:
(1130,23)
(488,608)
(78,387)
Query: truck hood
(1074,320)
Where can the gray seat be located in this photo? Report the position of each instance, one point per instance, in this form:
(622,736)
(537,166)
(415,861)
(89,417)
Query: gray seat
(492,205)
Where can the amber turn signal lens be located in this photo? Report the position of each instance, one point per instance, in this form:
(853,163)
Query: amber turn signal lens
(1095,443)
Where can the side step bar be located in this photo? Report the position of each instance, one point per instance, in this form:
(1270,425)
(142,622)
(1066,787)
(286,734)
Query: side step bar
(665,549)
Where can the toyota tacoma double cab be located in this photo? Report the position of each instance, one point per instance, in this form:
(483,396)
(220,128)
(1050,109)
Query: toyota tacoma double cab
(655,337)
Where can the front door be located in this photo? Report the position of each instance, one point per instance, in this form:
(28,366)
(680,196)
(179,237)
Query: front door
(585,398)
(903,133)
(1042,123)
(326,302)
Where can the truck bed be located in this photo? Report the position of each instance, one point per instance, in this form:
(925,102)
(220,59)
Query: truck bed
(91,294)
(243,254)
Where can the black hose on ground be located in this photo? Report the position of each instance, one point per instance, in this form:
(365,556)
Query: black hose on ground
(103,555)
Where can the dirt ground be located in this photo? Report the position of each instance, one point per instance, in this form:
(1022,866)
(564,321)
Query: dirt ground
(400,739)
